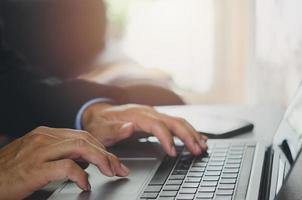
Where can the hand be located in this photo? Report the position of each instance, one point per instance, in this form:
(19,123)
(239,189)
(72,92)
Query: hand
(47,154)
(111,124)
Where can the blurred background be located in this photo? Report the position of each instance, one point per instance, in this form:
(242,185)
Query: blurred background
(214,51)
(207,51)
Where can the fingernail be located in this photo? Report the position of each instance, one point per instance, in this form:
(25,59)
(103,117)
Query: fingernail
(125,169)
(173,151)
(202,143)
(113,171)
(126,125)
(88,187)
(197,148)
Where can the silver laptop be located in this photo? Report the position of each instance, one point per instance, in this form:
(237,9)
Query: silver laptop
(231,170)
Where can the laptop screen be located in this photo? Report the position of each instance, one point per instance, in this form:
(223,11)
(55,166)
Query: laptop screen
(289,133)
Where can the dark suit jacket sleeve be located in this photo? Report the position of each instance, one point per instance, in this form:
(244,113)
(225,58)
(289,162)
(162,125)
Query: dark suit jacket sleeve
(28,100)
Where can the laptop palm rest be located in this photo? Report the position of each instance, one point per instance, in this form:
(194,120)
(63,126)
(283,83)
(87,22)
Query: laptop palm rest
(111,188)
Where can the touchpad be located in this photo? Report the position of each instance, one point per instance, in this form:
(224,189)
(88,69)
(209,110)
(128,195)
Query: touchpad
(108,188)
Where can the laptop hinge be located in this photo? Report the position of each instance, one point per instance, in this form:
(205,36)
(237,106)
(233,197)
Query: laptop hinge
(266,174)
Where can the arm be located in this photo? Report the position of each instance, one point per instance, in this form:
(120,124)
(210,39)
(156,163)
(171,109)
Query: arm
(29,99)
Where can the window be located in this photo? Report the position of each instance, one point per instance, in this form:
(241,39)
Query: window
(201,44)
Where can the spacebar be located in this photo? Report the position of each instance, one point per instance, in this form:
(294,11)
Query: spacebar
(163,171)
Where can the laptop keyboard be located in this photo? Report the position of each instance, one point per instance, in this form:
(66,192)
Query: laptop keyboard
(215,175)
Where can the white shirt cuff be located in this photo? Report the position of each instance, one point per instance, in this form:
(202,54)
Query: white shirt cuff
(78,121)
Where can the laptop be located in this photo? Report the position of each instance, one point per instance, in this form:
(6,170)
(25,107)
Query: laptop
(232,169)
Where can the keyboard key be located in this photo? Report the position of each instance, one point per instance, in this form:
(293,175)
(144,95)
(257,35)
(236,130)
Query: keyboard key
(224,192)
(211,178)
(190,185)
(177,177)
(235,153)
(223,145)
(187,190)
(183,165)
(174,182)
(205,159)
(163,171)
(179,172)
(199,164)
(232,170)
(171,187)
(185,197)
(220,151)
(197,169)
(207,189)
(233,161)
(204,195)
(213,173)
(218,163)
(166,198)
(229,175)
(149,195)
(153,188)
(195,174)
(208,183)
(226,186)
(218,159)
(219,154)
(223,198)
(235,157)
(232,166)
(193,179)
(214,168)
(168,194)
(228,181)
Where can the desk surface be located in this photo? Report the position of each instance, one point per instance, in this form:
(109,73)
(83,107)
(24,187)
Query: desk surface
(265,119)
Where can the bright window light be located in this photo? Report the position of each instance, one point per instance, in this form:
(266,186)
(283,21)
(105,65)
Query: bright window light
(176,36)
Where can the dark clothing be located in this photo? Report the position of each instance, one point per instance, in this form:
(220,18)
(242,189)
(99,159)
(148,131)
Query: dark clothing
(29,99)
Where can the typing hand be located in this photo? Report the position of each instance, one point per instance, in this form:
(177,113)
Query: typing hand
(111,124)
(47,154)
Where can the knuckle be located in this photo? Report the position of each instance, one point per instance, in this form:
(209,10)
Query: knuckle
(41,128)
(37,138)
(112,157)
(149,107)
(84,133)
(80,142)
(67,165)
(84,136)
(158,122)
(180,120)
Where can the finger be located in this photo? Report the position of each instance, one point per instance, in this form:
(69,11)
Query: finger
(56,170)
(70,133)
(78,149)
(119,169)
(159,130)
(186,133)
(112,132)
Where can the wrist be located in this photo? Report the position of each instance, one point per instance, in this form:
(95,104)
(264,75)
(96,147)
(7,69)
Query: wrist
(90,111)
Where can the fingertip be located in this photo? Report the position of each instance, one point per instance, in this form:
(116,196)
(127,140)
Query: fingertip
(203,137)
(197,149)
(88,187)
(125,169)
(173,151)
(107,172)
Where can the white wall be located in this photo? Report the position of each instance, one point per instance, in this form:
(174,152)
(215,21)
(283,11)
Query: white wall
(276,67)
